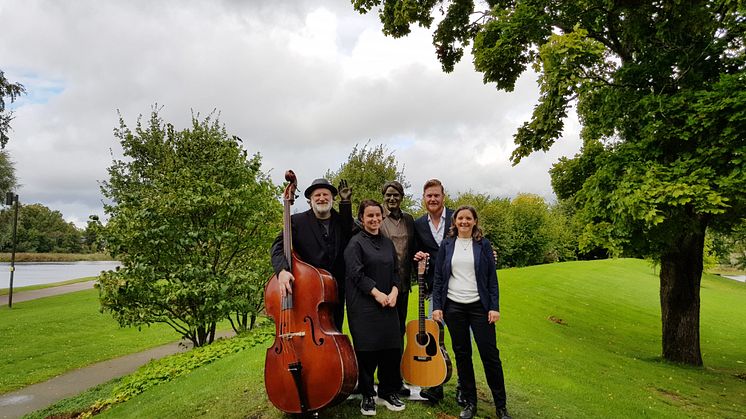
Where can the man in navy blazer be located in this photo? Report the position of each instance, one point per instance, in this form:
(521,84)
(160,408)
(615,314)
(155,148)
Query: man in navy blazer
(319,237)
(431,228)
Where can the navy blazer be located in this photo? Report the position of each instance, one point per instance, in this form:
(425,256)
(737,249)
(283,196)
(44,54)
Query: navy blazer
(426,243)
(484,266)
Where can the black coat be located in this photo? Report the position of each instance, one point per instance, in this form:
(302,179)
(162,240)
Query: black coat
(426,242)
(371,262)
(309,243)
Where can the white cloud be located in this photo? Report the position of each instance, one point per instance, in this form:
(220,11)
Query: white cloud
(300,82)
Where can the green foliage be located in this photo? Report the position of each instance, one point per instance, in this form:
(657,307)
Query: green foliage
(366,170)
(8,179)
(524,231)
(190,218)
(40,229)
(11,91)
(92,237)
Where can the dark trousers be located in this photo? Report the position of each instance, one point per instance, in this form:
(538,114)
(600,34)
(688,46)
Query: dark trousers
(459,318)
(389,377)
(338,310)
(402,301)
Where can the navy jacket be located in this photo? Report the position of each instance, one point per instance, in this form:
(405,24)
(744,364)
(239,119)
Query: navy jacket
(426,243)
(484,266)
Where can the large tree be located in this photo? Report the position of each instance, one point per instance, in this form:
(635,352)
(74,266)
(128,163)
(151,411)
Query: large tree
(191,217)
(659,86)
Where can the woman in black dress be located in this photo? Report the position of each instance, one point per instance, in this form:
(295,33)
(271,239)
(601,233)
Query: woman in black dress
(371,292)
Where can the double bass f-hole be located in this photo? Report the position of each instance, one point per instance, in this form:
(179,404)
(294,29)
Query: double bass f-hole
(309,320)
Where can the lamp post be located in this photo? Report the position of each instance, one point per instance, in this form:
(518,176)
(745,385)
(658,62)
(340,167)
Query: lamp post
(12,199)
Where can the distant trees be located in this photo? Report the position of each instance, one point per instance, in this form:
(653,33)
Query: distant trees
(191,218)
(525,230)
(366,170)
(40,230)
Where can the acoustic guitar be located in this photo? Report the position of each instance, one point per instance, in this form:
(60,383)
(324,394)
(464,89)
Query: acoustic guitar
(425,362)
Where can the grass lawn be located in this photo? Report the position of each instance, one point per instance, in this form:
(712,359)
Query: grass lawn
(577,339)
(46,337)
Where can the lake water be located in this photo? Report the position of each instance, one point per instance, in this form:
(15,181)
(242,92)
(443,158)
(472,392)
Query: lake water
(35,273)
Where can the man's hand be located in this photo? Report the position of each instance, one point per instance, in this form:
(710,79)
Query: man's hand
(438,315)
(285,278)
(493,316)
(420,255)
(345,192)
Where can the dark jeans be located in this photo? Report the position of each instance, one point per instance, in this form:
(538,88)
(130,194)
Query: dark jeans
(459,318)
(389,377)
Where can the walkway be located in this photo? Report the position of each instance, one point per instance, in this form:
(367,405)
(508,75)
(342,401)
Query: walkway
(41,395)
(46,292)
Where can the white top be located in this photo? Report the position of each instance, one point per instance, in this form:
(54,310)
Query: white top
(437,232)
(462,285)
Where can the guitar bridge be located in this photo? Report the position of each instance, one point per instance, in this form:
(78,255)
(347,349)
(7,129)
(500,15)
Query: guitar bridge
(422,358)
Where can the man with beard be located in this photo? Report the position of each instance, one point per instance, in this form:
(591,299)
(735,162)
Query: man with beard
(319,236)
(430,229)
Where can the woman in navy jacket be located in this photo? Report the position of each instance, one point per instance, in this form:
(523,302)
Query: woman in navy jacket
(466,296)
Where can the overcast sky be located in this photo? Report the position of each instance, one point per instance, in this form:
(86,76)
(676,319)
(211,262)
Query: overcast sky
(300,81)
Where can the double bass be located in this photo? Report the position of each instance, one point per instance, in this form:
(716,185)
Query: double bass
(310,365)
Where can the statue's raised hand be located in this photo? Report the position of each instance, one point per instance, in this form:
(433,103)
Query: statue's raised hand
(345,192)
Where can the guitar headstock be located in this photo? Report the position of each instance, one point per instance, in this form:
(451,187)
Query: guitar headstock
(422,265)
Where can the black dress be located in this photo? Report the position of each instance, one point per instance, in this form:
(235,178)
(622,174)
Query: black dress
(371,262)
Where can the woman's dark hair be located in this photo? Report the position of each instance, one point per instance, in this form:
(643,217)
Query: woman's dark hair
(476,232)
(365,204)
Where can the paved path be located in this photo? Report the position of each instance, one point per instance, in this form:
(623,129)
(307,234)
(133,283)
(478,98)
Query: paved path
(41,395)
(46,292)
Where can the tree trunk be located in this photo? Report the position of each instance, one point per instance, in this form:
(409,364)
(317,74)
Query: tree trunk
(680,276)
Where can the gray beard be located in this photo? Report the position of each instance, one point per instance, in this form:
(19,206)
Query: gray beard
(322,211)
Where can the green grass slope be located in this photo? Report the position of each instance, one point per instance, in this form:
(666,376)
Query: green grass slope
(42,338)
(578,339)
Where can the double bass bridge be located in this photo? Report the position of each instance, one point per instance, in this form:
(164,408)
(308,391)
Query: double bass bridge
(291,335)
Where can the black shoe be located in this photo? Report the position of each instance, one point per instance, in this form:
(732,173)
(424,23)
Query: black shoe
(469,411)
(404,391)
(392,402)
(503,414)
(432,394)
(460,397)
(368,406)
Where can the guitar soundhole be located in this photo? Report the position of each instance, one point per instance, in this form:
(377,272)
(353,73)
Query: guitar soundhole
(429,342)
